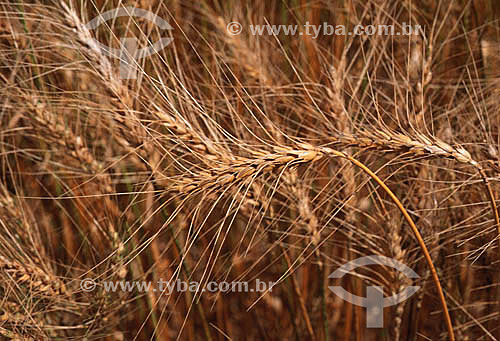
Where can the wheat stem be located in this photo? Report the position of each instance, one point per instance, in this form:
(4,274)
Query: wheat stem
(415,230)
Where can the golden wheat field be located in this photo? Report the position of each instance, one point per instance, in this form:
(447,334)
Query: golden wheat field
(249,170)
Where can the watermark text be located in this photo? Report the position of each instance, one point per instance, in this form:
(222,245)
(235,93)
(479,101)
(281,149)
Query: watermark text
(325,29)
(169,287)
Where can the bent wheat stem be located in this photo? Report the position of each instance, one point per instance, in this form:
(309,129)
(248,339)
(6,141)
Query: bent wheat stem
(415,230)
(492,202)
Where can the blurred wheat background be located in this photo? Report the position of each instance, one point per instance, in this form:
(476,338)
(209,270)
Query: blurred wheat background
(244,157)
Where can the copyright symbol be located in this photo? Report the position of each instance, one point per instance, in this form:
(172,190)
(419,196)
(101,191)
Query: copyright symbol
(87,285)
(234,28)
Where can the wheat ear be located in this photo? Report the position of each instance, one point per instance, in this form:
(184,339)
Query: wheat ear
(220,178)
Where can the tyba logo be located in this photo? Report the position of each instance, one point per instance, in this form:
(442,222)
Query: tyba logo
(129,53)
(374,302)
